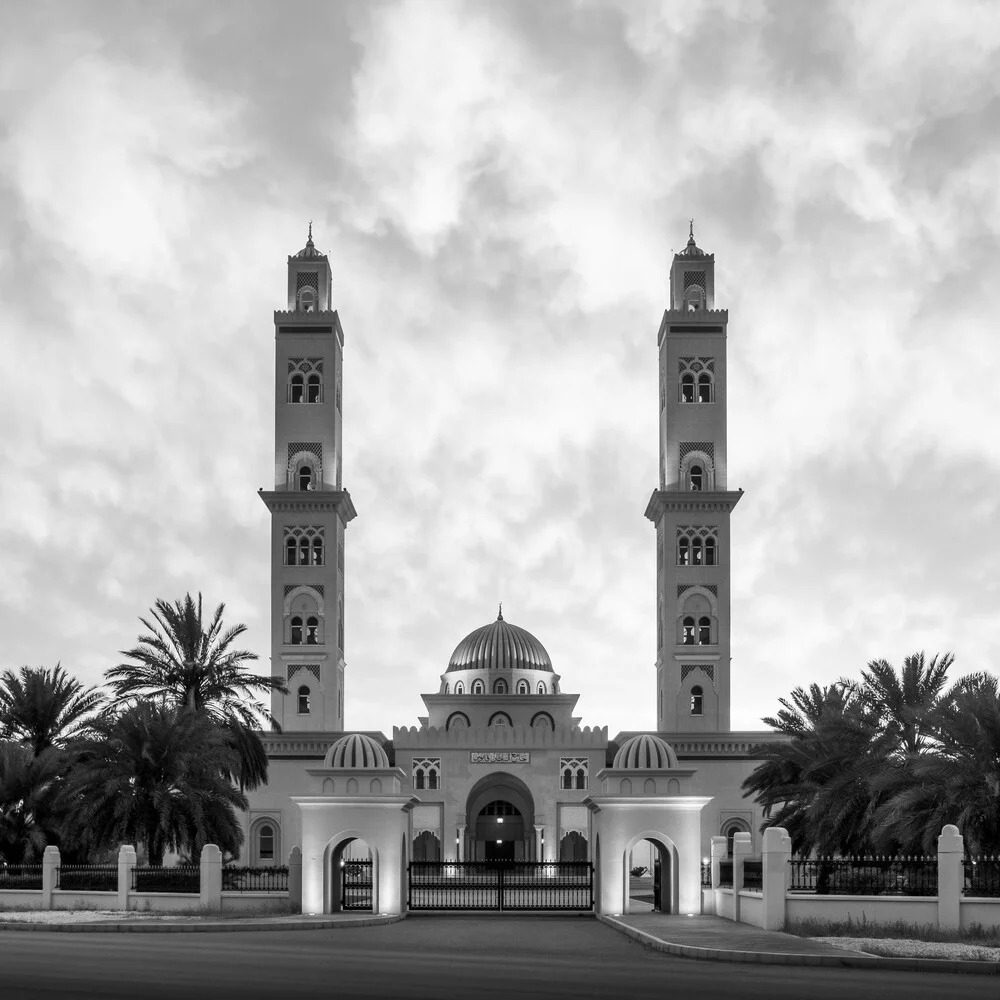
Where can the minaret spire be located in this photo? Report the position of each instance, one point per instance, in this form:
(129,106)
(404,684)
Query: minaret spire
(500,612)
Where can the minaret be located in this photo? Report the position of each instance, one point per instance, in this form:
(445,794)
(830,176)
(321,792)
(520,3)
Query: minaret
(691,508)
(309,508)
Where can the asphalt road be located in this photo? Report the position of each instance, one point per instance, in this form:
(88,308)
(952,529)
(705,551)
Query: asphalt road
(424,957)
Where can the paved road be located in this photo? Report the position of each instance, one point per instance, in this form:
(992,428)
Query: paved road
(423,957)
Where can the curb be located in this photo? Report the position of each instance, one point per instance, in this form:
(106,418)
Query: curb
(848,960)
(217,927)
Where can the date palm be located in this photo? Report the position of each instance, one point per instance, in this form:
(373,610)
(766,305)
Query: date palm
(155,774)
(27,790)
(191,663)
(43,708)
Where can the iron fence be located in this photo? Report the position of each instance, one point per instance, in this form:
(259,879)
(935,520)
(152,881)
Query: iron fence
(753,874)
(726,874)
(356,885)
(906,876)
(182,878)
(982,877)
(237,879)
(20,876)
(706,874)
(87,878)
(501,885)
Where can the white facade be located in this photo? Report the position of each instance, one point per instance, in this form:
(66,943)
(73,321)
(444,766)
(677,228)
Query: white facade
(499,767)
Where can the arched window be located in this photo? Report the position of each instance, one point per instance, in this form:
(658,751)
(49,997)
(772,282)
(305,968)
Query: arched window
(418,778)
(542,720)
(683,551)
(500,719)
(697,700)
(687,634)
(296,389)
(303,551)
(499,686)
(307,299)
(459,687)
(478,687)
(567,778)
(581,778)
(296,631)
(312,631)
(704,631)
(432,778)
(541,687)
(303,701)
(265,842)
(696,553)
(710,551)
(317,551)
(729,831)
(687,388)
(696,477)
(290,550)
(313,389)
(522,687)
(704,388)
(694,298)
(306,477)
(457,720)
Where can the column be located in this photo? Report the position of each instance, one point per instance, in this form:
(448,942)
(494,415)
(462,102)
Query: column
(539,831)
(126,863)
(295,879)
(461,843)
(210,888)
(742,847)
(775,855)
(50,862)
(951,877)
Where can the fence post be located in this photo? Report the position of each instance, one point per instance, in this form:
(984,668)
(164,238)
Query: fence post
(775,855)
(126,862)
(950,877)
(50,862)
(210,884)
(742,846)
(719,847)
(295,880)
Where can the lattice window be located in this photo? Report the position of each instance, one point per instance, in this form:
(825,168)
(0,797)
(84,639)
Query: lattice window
(711,587)
(697,380)
(707,668)
(306,279)
(304,545)
(426,773)
(305,365)
(694,278)
(294,668)
(707,447)
(574,772)
(697,545)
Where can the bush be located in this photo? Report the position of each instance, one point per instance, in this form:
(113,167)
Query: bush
(638,871)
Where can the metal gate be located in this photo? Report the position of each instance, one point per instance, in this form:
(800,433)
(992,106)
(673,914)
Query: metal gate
(501,885)
(356,885)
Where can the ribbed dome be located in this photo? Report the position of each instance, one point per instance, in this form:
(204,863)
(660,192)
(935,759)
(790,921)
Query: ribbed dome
(357,750)
(500,646)
(309,250)
(647,753)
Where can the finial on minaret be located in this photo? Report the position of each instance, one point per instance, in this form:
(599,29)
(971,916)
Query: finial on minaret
(500,612)
(691,235)
(309,242)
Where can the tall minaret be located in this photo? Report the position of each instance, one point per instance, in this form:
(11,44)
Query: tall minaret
(309,508)
(691,508)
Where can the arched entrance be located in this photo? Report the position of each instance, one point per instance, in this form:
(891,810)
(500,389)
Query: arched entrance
(661,893)
(351,876)
(500,817)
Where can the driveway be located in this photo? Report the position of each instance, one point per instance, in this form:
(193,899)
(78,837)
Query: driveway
(439,957)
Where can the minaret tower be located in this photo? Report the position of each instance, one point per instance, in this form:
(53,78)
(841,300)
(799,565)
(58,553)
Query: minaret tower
(691,508)
(309,507)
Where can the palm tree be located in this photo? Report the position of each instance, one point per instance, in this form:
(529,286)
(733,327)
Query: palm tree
(45,708)
(957,782)
(27,789)
(156,774)
(194,666)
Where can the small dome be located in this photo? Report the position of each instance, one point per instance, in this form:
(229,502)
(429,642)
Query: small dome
(500,646)
(357,750)
(646,753)
(309,250)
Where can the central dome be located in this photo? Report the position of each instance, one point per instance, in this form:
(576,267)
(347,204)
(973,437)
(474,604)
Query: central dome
(500,646)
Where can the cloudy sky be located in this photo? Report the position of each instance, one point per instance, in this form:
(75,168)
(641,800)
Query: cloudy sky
(500,186)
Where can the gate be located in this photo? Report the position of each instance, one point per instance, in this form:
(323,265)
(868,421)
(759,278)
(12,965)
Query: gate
(356,885)
(501,885)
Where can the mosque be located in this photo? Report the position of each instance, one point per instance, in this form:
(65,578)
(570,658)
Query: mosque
(498,770)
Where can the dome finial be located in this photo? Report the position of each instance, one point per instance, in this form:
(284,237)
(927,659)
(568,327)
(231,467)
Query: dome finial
(309,241)
(500,612)
(691,242)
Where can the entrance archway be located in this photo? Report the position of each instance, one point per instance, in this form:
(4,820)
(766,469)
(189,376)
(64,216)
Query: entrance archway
(664,894)
(350,875)
(500,817)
